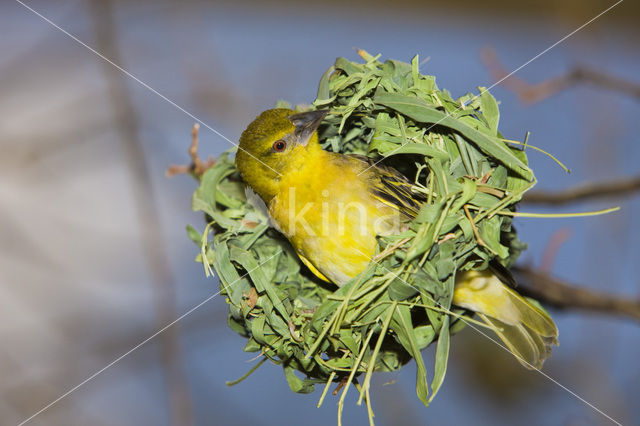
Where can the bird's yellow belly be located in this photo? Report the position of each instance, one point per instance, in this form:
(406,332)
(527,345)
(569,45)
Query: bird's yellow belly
(333,225)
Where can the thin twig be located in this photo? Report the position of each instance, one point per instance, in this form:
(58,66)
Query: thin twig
(391,248)
(532,93)
(560,294)
(550,253)
(197,166)
(614,188)
(473,226)
(149,223)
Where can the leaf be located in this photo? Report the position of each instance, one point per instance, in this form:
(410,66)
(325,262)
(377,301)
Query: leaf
(400,290)
(252,346)
(436,318)
(347,66)
(424,113)
(374,313)
(490,110)
(258,329)
(424,335)
(490,231)
(442,356)
(236,326)
(324,93)
(193,234)
(257,273)
(228,274)
(297,384)
(517,184)
(407,148)
(469,188)
(206,195)
(405,331)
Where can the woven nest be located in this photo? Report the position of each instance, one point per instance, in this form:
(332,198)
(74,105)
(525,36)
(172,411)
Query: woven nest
(380,320)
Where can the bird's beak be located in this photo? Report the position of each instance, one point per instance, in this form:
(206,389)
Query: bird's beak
(306,123)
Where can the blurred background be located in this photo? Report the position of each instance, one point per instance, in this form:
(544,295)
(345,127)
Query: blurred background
(94,257)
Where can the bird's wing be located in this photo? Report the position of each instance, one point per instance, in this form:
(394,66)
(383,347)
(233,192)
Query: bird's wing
(391,187)
(312,268)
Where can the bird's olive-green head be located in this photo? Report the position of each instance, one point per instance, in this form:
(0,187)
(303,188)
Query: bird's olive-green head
(272,144)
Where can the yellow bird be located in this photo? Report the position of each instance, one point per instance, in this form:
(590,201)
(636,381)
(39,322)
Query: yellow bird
(331,207)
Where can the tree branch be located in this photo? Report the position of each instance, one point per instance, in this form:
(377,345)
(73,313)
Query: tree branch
(560,294)
(614,188)
(149,222)
(532,93)
(197,166)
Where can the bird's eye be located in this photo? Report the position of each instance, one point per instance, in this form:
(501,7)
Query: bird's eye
(279,145)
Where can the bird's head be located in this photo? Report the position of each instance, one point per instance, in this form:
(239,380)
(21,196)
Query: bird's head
(276,142)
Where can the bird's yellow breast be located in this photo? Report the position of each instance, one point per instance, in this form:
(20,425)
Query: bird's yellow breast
(327,212)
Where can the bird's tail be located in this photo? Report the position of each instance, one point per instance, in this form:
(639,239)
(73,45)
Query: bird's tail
(526,330)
